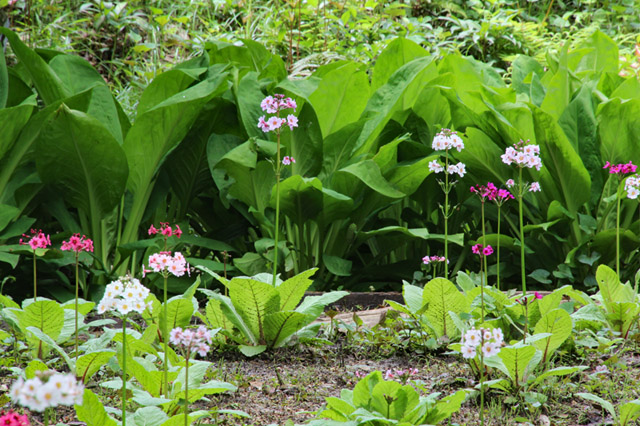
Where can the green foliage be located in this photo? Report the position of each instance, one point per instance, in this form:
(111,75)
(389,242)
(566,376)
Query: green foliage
(619,300)
(629,411)
(266,315)
(387,402)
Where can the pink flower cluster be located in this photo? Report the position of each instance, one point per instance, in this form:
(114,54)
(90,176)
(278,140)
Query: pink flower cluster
(288,160)
(489,340)
(77,244)
(523,154)
(165,263)
(492,193)
(189,340)
(165,230)
(398,372)
(36,240)
(621,169)
(13,419)
(532,187)
(482,251)
(429,259)
(273,105)
(446,140)
(632,186)
(436,167)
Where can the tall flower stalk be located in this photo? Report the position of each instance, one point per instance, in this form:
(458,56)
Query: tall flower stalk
(482,251)
(190,342)
(621,170)
(444,141)
(77,244)
(501,197)
(523,154)
(275,105)
(489,341)
(122,297)
(37,240)
(166,264)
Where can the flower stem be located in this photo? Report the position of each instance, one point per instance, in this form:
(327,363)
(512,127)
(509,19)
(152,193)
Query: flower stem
(47,413)
(35,290)
(618,233)
(481,390)
(76,319)
(446,218)
(165,339)
(186,389)
(483,263)
(275,248)
(124,370)
(522,248)
(498,252)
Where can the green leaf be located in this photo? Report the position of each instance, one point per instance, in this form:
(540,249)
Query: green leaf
(4,81)
(368,172)
(92,412)
(250,351)
(442,296)
(601,55)
(313,306)
(558,371)
(446,407)
(215,316)
(618,134)
(413,296)
(340,97)
(516,359)
(49,341)
(611,289)
(559,324)
(78,155)
(397,53)
(301,199)
(47,83)
(236,318)
(337,265)
(88,364)
(248,99)
(164,86)
(180,309)
(45,315)
(629,412)
(149,416)
(254,300)
(280,326)
(292,290)
(603,403)
(33,367)
(13,121)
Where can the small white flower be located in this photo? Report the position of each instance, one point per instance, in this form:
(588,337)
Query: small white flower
(490,349)
(435,166)
(468,351)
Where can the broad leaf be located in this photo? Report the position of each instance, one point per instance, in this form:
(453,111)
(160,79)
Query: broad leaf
(442,297)
(92,412)
(559,324)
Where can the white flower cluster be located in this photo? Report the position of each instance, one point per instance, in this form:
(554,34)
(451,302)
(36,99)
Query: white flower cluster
(48,389)
(489,340)
(165,263)
(632,186)
(523,154)
(436,167)
(446,140)
(124,295)
(189,340)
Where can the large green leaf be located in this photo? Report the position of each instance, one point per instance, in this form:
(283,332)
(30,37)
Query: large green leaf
(446,407)
(341,97)
(154,135)
(46,315)
(611,289)
(89,363)
(13,120)
(164,86)
(559,324)
(524,67)
(603,403)
(234,316)
(300,198)
(597,54)
(442,297)
(292,290)
(313,306)
(368,173)
(254,300)
(4,81)
(408,80)
(516,359)
(629,412)
(619,135)
(47,83)
(280,326)
(248,99)
(397,53)
(92,412)
(80,156)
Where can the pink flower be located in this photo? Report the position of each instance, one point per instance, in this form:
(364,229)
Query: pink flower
(178,231)
(189,340)
(263,125)
(388,375)
(485,191)
(523,154)
(510,183)
(537,295)
(476,249)
(275,122)
(480,250)
(12,418)
(534,187)
(37,240)
(288,160)
(426,260)
(503,194)
(621,169)
(292,121)
(77,244)
(269,105)
(152,230)
(487,251)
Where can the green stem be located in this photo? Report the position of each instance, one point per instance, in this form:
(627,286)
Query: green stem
(498,252)
(618,233)
(35,290)
(124,370)
(522,268)
(186,389)
(481,390)
(275,248)
(446,218)
(484,244)
(47,413)
(76,318)
(165,336)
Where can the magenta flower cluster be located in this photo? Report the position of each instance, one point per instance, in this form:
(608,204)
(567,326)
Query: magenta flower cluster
(430,259)
(36,240)
(198,340)
(12,418)
(480,250)
(273,105)
(77,244)
(490,192)
(288,160)
(621,169)
(165,230)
